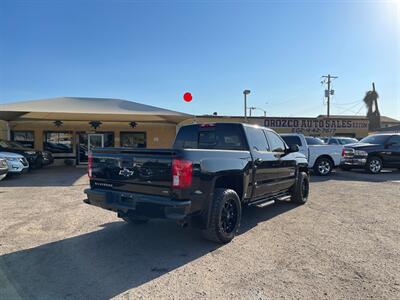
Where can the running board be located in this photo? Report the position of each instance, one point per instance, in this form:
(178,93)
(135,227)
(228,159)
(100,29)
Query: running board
(270,200)
(284,198)
(266,203)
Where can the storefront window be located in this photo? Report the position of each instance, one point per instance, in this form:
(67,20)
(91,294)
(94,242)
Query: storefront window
(133,139)
(24,138)
(108,139)
(58,142)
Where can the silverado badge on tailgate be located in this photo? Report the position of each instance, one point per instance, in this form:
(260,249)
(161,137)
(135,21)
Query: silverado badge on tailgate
(126,172)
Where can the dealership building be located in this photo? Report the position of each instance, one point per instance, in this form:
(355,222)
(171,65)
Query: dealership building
(70,126)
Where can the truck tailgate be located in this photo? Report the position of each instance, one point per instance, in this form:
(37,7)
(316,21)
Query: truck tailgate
(146,171)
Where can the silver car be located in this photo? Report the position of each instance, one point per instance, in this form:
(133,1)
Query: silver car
(17,163)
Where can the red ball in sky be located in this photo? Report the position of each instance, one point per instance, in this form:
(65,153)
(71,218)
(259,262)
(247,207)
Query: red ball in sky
(187,97)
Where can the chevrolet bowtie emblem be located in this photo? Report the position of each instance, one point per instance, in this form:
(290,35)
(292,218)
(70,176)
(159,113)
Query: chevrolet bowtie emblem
(126,172)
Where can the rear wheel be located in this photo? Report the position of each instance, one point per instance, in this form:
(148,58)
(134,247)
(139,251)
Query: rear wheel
(301,189)
(323,166)
(225,216)
(374,165)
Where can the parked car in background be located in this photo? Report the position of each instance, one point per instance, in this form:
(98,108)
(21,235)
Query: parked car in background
(322,158)
(47,157)
(3,168)
(34,157)
(212,171)
(17,163)
(373,153)
(339,140)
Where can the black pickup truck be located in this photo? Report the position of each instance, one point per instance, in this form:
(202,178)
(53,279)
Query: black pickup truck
(373,153)
(212,171)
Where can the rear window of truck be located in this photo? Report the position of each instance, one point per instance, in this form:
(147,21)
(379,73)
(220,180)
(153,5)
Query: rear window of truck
(292,140)
(218,136)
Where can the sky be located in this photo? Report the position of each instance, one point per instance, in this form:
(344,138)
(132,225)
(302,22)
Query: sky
(154,51)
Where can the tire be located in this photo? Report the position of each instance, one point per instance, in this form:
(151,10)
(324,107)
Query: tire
(374,165)
(134,220)
(225,216)
(301,189)
(323,166)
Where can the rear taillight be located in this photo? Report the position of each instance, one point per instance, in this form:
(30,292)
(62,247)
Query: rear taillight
(90,165)
(181,173)
(347,152)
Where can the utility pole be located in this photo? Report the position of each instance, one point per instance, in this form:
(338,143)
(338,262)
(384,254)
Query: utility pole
(328,92)
(245,93)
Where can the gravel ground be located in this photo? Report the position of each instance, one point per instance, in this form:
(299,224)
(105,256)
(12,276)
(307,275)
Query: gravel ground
(343,244)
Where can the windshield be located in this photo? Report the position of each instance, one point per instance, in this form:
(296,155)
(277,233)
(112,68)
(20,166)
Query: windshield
(6,144)
(314,141)
(16,145)
(375,139)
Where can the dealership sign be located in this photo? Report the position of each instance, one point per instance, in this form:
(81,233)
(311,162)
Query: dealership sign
(316,125)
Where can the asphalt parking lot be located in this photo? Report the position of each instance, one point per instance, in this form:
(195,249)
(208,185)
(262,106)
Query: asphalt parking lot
(343,244)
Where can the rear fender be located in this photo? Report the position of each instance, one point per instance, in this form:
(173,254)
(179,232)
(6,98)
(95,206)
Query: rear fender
(212,170)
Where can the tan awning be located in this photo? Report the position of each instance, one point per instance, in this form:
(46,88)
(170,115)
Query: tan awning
(87,109)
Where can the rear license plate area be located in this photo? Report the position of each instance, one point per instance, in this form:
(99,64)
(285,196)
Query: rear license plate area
(127,200)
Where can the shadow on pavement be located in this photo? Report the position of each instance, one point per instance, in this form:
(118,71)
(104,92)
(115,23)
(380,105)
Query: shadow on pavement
(387,175)
(48,176)
(112,260)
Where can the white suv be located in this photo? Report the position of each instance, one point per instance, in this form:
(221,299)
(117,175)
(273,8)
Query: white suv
(17,163)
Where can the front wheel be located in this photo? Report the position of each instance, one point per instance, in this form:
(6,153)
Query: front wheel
(323,166)
(374,165)
(225,216)
(301,189)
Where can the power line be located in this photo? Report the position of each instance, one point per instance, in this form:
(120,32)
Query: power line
(343,110)
(351,108)
(362,105)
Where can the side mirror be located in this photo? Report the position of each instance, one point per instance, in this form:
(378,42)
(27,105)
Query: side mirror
(293,148)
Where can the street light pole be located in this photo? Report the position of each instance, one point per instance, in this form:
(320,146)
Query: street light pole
(253,108)
(245,93)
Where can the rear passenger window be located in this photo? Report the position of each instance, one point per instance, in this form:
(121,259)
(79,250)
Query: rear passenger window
(256,138)
(275,142)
